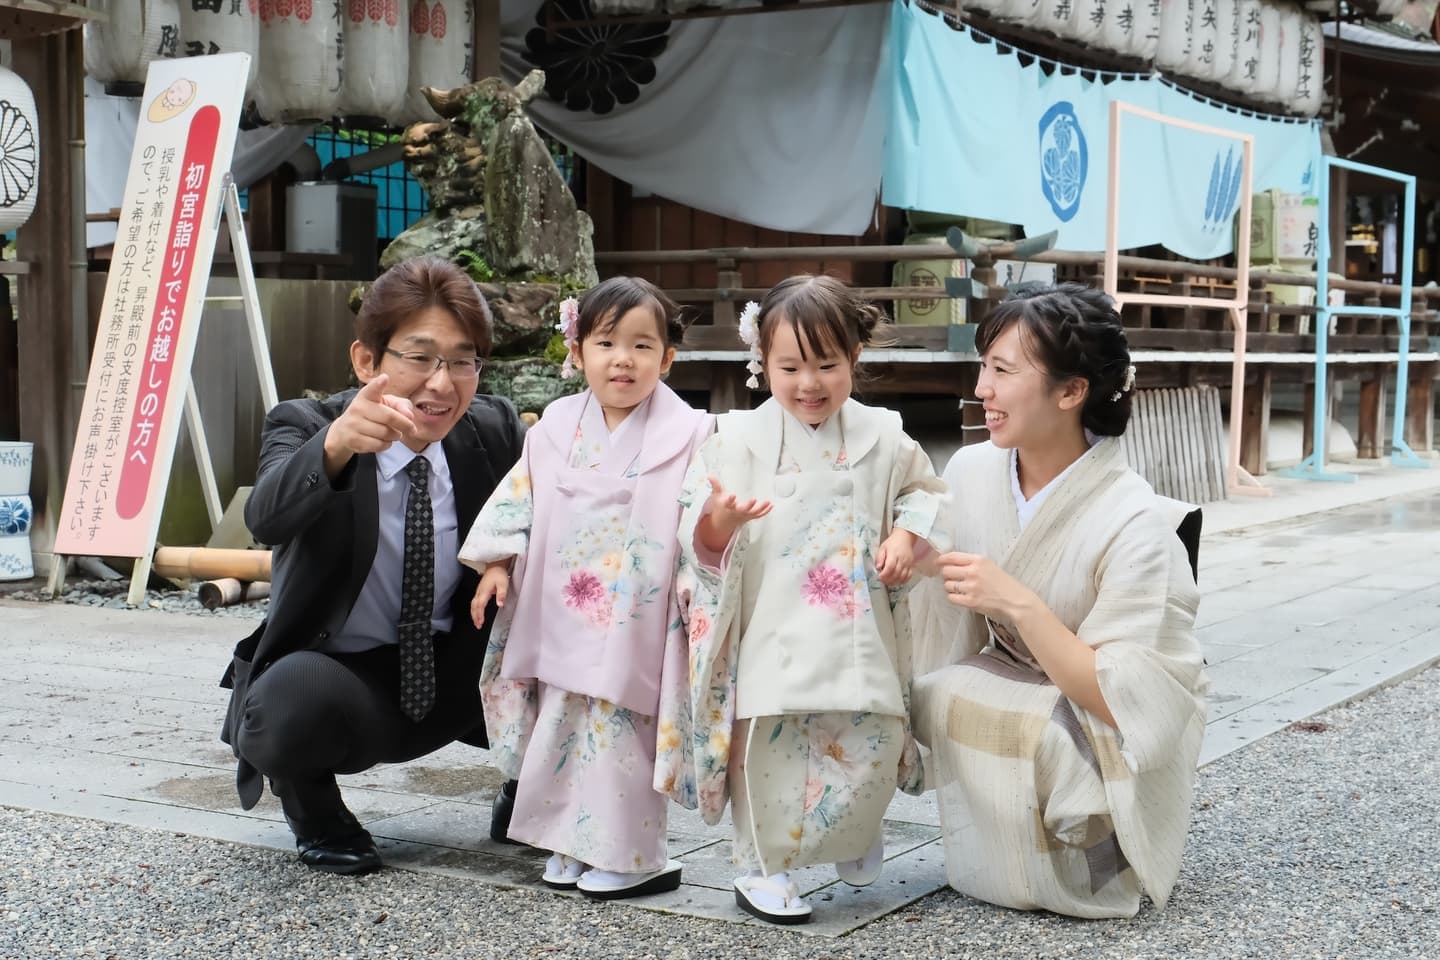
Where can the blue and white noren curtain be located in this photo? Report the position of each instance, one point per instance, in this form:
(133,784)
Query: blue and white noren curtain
(974,133)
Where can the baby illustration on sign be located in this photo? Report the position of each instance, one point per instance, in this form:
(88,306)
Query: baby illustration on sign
(173,101)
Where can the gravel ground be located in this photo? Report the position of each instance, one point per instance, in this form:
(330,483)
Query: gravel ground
(1317,842)
(111,593)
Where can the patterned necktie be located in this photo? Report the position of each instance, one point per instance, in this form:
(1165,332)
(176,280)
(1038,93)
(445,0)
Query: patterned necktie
(417,597)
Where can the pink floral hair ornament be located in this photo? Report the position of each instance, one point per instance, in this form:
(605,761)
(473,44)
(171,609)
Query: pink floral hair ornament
(750,336)
(569,327)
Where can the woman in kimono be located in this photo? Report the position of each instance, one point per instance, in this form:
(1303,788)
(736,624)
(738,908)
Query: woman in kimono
(572,677)
(801,522)
(1059,685)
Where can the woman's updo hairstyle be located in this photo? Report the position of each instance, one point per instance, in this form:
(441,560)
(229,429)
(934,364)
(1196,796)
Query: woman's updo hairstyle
(1070,331)
(825,314)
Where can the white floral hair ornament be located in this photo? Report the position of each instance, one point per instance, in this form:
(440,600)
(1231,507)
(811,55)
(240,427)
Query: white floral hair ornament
(750,336)
(1126,386)
(569,327)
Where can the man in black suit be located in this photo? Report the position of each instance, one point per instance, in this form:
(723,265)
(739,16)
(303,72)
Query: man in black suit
(369,654)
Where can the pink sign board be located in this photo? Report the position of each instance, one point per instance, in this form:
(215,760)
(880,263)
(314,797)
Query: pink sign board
(150,318)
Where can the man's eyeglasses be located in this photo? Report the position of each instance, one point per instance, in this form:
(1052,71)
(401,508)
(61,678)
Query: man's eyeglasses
(423,364)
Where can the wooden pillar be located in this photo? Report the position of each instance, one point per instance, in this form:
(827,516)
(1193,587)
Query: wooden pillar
(1370,439)
(1339,201)
(485,40)
(727,380)
(1420,407)
(1255,424)
(45,332)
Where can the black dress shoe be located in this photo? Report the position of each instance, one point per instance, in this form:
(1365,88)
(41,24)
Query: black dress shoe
(328,838)
(351,855)
(501,812)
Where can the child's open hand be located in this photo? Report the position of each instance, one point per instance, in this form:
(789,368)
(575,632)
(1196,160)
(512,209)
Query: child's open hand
(896,557)
(725,513)
(495,582)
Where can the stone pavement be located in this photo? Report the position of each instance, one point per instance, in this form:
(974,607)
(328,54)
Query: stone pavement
(112,715)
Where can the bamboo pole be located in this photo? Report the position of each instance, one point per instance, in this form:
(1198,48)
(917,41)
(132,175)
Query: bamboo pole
(205,563)
(227,591)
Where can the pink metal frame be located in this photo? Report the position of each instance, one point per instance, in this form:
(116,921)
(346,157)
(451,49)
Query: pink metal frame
(1237,479)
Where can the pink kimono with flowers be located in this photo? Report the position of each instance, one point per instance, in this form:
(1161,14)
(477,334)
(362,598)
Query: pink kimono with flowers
(799,655)
(577,658)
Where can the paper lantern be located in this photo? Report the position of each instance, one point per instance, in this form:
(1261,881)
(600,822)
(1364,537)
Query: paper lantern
(1128,24)
(1227,35)
(1245,71)
(1267,79)
(209,27)
(1176,21)
(19,156)
(1054,16)
(377,59)
(1087,23)
(301,56)
(1204,38)
(1310,73)
(440,51)
(119,51)
(1289,56)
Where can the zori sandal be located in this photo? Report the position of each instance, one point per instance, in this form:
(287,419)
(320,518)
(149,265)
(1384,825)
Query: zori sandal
(773,899)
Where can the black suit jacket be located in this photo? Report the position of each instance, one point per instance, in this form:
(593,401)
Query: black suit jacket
(323,534)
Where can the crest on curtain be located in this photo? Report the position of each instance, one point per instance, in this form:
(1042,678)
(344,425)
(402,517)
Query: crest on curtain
(594,67)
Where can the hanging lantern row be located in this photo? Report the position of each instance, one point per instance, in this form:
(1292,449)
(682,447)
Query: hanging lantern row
(1263,51)
(306,64)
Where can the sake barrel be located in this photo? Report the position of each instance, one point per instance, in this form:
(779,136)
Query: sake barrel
(301,59)
(440,51)
(1245,71)
(377,59)
(222,26)
(1310,75)
(1204,38)
(1176,21)
(1267,77)
(119,50)
(19,155)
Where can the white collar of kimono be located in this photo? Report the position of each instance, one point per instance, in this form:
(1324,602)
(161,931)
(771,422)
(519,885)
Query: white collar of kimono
(397,457)
(637,415)
(1025,510)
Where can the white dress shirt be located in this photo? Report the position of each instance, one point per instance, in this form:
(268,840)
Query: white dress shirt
(377,610)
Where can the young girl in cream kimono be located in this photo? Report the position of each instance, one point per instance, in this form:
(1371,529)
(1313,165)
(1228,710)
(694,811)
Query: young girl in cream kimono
(801,524)
(1059,685)
(577,545)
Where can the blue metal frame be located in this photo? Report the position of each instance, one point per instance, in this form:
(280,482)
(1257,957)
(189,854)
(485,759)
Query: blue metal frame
(1313,466)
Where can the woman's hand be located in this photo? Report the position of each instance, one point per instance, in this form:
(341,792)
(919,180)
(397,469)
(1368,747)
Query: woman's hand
(977,583)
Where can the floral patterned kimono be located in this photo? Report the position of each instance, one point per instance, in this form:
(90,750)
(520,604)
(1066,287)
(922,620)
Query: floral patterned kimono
(799,655)
(572,676)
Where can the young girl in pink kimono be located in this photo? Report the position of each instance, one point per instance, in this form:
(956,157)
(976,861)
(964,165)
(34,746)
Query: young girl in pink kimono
(802,521)
(577,545)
